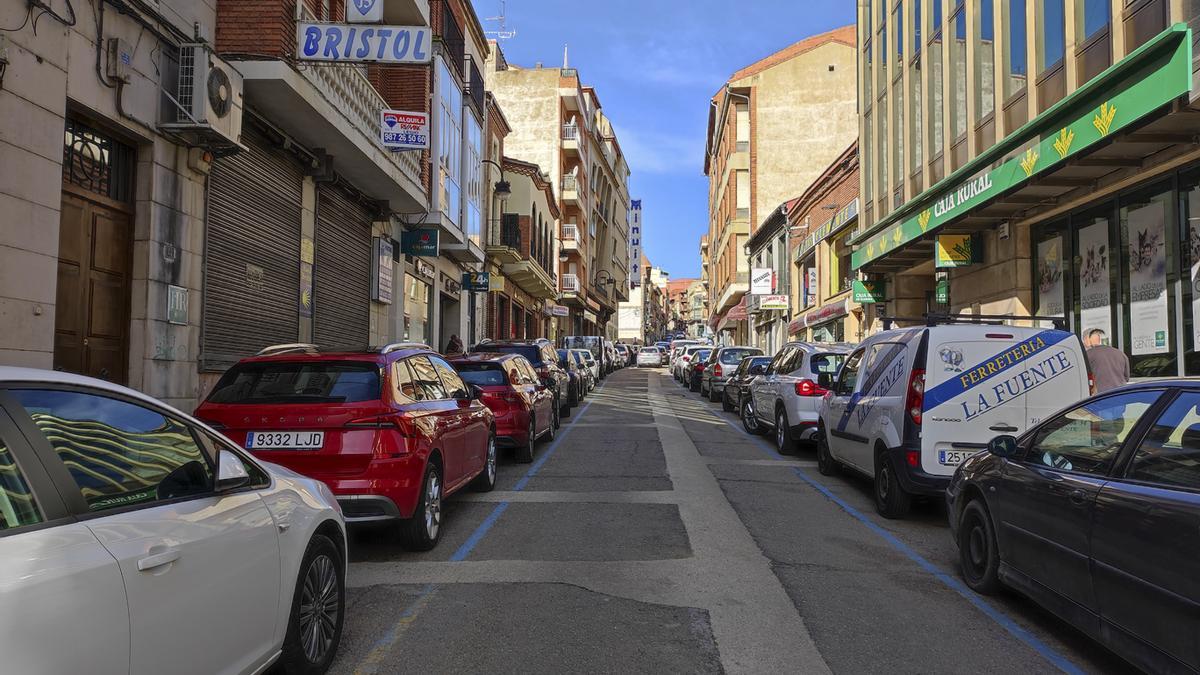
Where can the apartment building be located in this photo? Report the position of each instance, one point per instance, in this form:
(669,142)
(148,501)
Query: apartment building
(1035,158)
(772,128)
(559,125)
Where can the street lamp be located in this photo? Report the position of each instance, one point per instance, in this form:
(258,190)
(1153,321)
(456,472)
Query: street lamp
(502,189)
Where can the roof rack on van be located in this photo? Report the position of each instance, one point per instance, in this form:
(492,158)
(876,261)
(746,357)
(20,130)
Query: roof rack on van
(938,319)
(305,347)
(397,346)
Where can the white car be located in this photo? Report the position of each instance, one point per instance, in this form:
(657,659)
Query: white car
(787,397)
(909,405)
(649,357)
(592,364)
(135,539)
(680,367)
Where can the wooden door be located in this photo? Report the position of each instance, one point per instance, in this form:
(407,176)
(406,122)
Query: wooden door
(91,324)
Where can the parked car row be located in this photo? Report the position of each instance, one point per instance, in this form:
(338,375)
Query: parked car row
(1090,511)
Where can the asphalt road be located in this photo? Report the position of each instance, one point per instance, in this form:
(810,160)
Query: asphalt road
(654,535)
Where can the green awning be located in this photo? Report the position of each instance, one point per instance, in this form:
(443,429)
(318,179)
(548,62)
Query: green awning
(1153,75)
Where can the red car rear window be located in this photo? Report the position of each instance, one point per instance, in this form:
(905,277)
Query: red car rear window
(298,382)
(481,374)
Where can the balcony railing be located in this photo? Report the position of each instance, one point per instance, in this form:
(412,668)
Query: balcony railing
(570,231)
(570,183)
(510,235)
(570,283)
(570,132)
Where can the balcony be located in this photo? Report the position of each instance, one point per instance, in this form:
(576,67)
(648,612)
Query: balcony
(406,12)
(569,284)
(504,242)
(570,237)
(570,190)
(570,139)
(335,109)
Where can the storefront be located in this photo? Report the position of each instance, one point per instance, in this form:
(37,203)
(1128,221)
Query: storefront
(418,302)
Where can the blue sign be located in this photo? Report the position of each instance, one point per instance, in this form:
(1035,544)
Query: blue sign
(345,43)
(422,242)
(477,281)
(364,11)
(401,130)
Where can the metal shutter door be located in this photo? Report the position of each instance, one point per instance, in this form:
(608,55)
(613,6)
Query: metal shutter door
(342,278)
(252,253)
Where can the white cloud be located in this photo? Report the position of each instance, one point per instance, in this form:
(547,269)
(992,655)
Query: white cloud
(662,153)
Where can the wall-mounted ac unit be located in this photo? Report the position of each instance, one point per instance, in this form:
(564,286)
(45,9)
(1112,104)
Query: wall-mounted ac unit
(207,105)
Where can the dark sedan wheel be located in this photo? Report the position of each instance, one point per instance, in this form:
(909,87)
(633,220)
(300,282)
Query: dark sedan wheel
(891,501)
(977,550)
(557,412)
(525,450)
(726,404)
(749,419)
(693,383)
(318,606)
(713,395)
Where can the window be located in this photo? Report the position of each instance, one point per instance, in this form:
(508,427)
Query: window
(473,171)
(405,389)
(450,139)
(426,377)
(313,382)
(826,363)
(1190,254)
(450,379)
(1015,49)
(17,506)
(848,378)
(119,453)
(1086,439)
(934,61)
(1149,246)
(528,374)
(1052,23)
(985,66)
(958,70)
(782,357)
(482,374)
(898,22)
(1170,453)
(1094,17)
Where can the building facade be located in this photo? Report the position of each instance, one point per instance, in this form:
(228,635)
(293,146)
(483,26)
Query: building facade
(1035,158)
(796,103)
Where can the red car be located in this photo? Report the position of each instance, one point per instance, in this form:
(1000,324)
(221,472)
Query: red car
(391,431)
(523,406)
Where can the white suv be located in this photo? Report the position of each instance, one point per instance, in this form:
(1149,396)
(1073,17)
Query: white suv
(787,397)
(909,405)
(135,539)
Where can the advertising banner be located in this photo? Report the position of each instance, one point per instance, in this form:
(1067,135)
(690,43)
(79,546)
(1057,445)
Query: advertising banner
(1146,234)
(1050,277)
(1094,278)
(810,289)
(420,242)
(381,271)
(867,292)
(954,250)
(345,43)
(1194,247)
(762,281)
(770,302)
(400,130)
(476,281)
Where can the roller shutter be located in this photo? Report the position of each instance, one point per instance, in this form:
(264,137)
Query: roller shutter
(342,278)
(252,253)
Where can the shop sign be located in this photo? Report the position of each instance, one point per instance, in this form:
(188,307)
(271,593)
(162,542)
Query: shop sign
(796,326)
(1048,275)
(346,43)
(589,316)
(400,130)
(476,281)
(941,292)
(842,217)
(306,289)
(810,290)
(559,310)
(1093,279)
(177,305)
(1152,76)
(425,269)
(496,283)
(868,292)
(826,313)
(381,270)
(449,285)
(762,281)
(420,242)
(364,11)
(956,250)
(1148,317)
(773,302)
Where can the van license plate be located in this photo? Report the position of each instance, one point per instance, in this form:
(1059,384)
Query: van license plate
(953,457)
(285,440)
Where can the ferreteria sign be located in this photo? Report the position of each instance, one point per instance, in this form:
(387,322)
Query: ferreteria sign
(1152,76)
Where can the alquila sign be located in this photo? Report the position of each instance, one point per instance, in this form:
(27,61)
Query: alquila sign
(1152,76)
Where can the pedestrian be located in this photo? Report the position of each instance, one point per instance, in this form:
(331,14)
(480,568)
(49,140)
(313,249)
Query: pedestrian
(1110,366)
(455,346)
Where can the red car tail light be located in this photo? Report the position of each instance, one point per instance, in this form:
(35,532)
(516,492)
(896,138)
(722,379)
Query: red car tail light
(914,459)
(717,371)
(387,446)
(915,402)
(698,367)
(809,388)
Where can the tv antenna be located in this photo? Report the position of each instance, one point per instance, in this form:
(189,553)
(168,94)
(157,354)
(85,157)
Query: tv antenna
(502,32)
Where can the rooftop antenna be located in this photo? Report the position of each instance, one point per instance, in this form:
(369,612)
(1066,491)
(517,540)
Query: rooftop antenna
(565,65)
(502,32)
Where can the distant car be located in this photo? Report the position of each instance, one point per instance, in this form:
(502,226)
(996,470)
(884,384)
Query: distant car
(737,388)
(694,368)
(392,431)
(592,364)
(718,367)
(523,407)
(787,398)
(541,354)
(649,357)
(595,344)
(625,355)
(681,365)
(1093,514)
(134,538)
(580,356)
(578,388)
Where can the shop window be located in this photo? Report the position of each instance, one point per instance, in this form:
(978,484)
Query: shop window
(1050,276)
(1190,256)
(1095,277)
(1147,219)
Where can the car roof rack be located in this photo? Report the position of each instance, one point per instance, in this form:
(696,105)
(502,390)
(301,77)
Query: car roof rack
(305,347)
(397,346)
(944,318)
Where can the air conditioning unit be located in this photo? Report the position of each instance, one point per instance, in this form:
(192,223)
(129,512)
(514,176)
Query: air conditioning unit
(207,103)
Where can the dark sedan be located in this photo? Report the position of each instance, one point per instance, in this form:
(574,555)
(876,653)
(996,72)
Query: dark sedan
(739,382)
(1095,514)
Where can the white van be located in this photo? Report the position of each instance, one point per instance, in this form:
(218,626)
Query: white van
(909,405)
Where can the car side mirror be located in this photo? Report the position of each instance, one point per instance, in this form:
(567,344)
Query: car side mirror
(825,380)
(757,370)
(231,472)
(474,393)
(1003,446)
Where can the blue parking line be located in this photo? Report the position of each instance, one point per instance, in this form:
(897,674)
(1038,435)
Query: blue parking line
(487,524)
(1029,639)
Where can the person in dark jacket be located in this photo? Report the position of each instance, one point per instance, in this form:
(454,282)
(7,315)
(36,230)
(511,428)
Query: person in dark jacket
(455,346)
(1110,366)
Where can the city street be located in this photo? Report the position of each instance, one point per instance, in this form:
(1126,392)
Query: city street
(654,535)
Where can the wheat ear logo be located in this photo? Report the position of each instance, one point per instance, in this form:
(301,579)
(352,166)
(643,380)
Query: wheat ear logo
(896,236)
(1104,119)
(871,250)
(1029,162)
(923,219)
(1062,144)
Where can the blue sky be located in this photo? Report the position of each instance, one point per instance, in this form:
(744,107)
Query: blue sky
(655,64)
